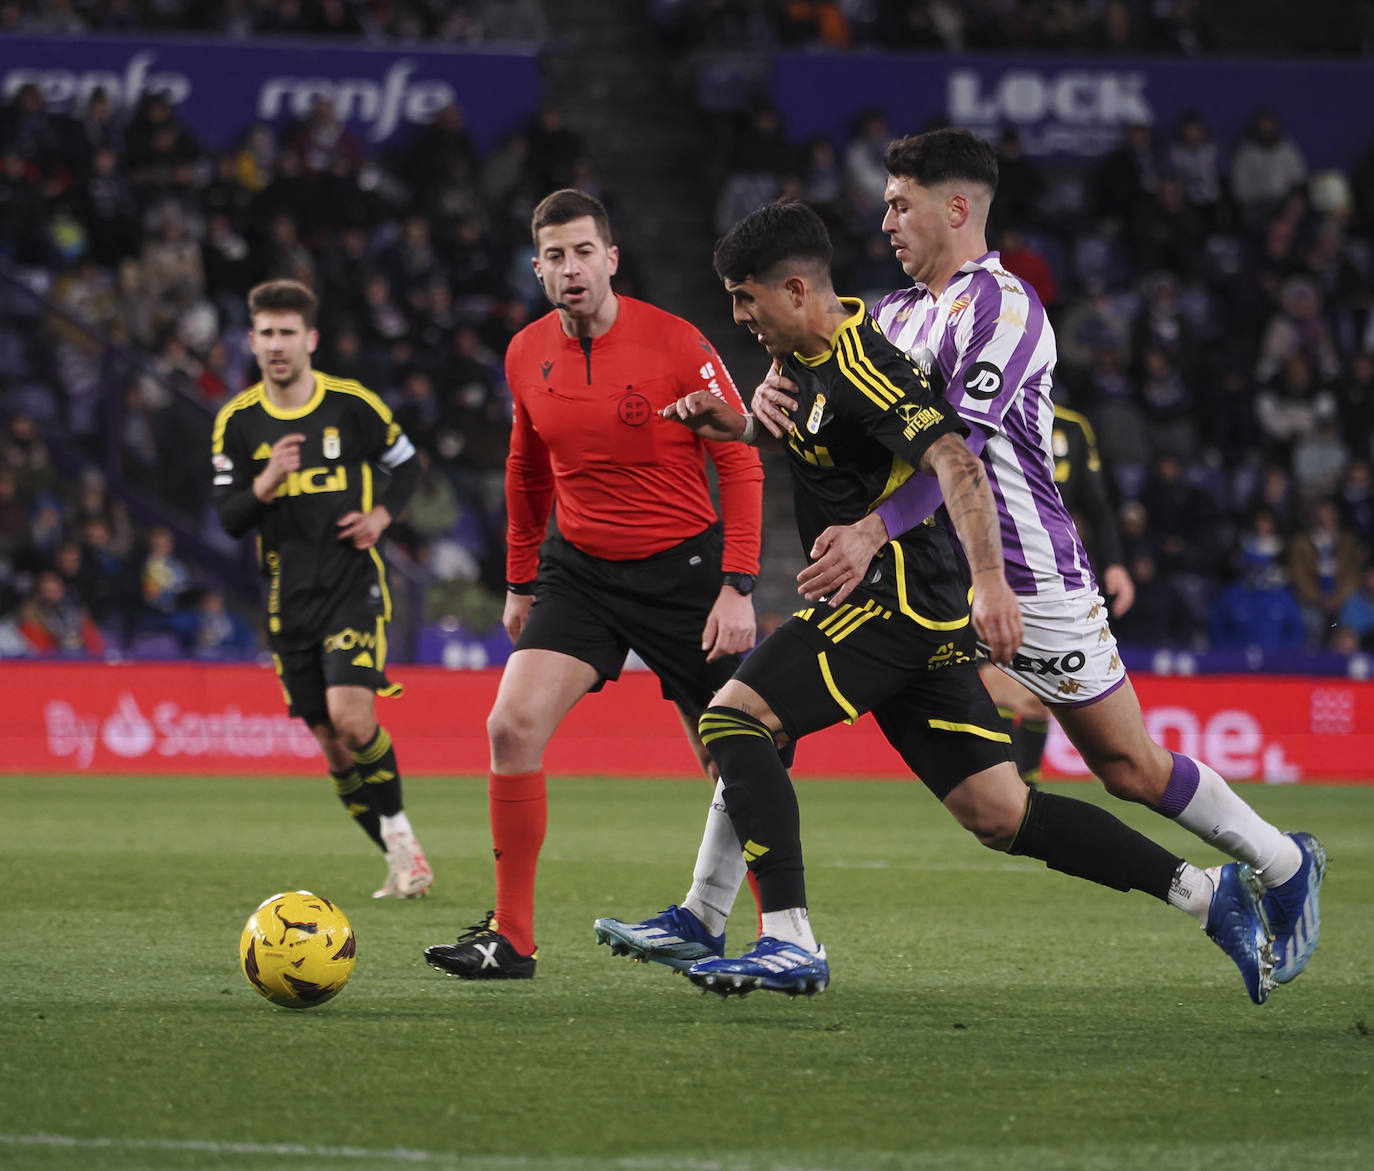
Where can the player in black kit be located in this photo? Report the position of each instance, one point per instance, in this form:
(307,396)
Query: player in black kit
(319,467)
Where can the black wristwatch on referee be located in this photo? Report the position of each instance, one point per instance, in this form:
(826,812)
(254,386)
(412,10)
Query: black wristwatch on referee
(741,583)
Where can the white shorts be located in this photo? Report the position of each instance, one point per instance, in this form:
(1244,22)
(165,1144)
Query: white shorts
(1069,656)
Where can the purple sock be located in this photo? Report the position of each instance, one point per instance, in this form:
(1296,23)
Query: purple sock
(1182,785)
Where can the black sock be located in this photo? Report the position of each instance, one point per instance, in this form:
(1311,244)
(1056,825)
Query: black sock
(1028,742)
(1088,842)
(761,803)
(349,787)
(377,767)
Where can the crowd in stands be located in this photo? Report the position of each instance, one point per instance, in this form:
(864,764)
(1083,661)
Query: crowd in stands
(1173,27)
(1212,302)
(126,251)
(459,22)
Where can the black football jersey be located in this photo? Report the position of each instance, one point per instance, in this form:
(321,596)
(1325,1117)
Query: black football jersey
(351,440)
(865,416)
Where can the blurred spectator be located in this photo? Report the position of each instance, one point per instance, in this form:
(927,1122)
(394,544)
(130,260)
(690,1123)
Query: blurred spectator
(1258,611)
(1324,565)
(863,159)
(164,585)
(1193,160)
(1126,175)
(53,623)
(1290,406)
(1319,460)
(1298,328)
(1020,187)
(1022,255)
(1356,500)
(159,152)
(1265,167)
(216,632)
(1159,616)
(1357,613)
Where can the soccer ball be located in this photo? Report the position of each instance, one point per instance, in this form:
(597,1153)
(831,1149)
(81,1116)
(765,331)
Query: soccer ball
(297,949)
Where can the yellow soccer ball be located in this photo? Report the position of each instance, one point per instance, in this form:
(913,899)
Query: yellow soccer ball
(297,949)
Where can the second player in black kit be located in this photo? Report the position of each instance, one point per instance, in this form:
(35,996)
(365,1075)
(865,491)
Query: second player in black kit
(318,466)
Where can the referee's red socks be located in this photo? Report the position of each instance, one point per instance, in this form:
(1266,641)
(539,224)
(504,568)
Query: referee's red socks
(519,814)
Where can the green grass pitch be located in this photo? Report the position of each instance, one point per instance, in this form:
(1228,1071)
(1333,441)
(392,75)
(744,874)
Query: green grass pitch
(983,1013)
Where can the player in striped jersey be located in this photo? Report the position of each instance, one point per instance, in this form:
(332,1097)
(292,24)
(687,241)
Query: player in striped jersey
(319,467)
(983,335)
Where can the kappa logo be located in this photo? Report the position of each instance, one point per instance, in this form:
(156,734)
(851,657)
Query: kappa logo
(983,380)
(1013,317)
(546,369)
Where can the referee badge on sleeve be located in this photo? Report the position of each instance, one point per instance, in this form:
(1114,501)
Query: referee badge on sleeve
(332,449)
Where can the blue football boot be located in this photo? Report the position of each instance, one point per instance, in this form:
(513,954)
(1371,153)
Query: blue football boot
(1292,911)
(773,965)
(675,937)
(1235,923)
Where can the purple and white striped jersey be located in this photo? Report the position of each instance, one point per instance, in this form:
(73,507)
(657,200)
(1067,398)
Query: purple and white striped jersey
(987,340)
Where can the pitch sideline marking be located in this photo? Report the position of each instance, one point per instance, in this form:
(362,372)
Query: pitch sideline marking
(393,1154)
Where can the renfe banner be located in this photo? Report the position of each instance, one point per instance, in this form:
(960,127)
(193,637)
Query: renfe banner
(1072,108)
(221,87)
(223,720)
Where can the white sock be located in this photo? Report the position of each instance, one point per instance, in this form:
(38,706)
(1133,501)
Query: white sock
(1192,891)
(720,868)
(793,926)
(1218,816)
(398,823)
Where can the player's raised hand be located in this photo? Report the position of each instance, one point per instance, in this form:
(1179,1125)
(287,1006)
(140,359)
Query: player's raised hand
(840,558)
(771,398)
(706,414)
(285,459)
(364,529)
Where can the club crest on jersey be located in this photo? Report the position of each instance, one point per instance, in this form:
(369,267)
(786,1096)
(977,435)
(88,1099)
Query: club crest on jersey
(332,450)
(813,420)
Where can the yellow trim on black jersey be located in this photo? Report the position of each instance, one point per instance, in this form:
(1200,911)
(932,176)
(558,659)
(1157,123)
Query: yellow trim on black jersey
(855,365)
(929,623)
(971,729)
(293,412)
(239,402)
(848,323)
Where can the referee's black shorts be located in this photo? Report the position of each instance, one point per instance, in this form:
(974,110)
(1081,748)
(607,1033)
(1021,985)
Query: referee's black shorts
(822,666)
(598,611)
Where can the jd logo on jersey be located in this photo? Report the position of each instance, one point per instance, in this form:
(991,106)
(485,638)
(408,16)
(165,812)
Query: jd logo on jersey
(983,380)
(331,443)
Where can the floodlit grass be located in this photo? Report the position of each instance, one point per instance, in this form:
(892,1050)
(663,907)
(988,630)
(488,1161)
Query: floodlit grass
(983,1014)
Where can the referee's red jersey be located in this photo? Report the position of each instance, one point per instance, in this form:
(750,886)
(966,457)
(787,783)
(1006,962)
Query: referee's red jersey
(587,434)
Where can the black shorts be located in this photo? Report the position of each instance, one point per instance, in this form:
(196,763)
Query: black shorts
(352,655)
(823,666)
(598,611)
